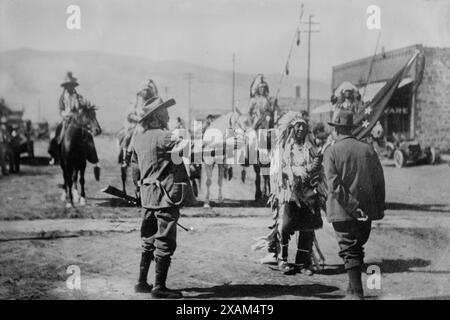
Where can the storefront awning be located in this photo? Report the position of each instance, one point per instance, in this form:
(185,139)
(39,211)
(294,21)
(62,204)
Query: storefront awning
(369,92)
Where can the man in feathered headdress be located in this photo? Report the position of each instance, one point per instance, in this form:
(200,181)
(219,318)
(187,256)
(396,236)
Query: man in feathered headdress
(260,105)
(135,111)
(298,193)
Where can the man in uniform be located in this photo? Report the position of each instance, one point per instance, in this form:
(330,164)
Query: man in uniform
(161,182)
(70,103)
(356,195)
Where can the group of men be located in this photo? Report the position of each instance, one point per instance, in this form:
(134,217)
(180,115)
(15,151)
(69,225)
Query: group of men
(353,175)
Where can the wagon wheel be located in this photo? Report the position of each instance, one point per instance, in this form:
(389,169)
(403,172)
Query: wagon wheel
(399,159)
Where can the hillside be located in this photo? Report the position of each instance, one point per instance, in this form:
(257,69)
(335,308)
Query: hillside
(30,78)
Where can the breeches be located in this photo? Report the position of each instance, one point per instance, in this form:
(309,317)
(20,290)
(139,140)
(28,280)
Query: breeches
(159,231)
(351,237)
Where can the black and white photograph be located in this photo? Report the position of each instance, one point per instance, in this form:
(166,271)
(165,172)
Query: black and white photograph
(244,151)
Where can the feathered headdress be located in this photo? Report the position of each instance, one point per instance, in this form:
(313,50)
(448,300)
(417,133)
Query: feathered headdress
(256,83)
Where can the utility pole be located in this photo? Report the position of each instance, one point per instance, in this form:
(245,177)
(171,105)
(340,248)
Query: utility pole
(308,78)
(39,110)
(233,84)
(189,76)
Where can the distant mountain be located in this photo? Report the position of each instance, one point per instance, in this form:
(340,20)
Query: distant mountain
(30,78)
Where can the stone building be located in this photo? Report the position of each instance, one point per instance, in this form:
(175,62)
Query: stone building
(420,107)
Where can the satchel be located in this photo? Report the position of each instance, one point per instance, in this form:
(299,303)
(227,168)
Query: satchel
(154,195)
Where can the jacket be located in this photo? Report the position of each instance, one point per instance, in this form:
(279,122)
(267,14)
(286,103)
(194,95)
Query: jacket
(162,182)
(355,180)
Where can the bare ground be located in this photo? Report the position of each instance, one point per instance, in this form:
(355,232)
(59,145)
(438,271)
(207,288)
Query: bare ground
(39,239)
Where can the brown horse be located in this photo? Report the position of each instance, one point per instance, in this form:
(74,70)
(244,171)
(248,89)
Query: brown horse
(75,150)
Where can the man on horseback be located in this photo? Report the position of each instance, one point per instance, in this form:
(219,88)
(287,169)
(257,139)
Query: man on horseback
(260,105)
(134,112)
(347,99)
(70,104)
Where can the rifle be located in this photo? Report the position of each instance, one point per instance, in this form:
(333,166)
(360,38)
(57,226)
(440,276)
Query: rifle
(132,200)
(122,195)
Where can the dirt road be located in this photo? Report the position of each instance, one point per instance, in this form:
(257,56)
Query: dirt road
(411,246)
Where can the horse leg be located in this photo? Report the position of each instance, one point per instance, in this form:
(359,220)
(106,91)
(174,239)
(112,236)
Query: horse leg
(123,175)
(221,170)
(258,194)
(243,174)
(208,170)
(68,183)
(82,193)
(64,193)
(266,185)
(75,194)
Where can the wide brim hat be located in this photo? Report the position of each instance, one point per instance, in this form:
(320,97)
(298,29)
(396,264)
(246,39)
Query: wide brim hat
(343,119)
(69,80)
(154,104)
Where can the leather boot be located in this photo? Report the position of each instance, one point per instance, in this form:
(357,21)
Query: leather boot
(355,284)
(160,291)
(142,286)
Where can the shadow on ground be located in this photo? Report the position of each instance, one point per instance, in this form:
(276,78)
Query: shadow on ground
(400,265)
(261,291)
(386,266)
(418,207)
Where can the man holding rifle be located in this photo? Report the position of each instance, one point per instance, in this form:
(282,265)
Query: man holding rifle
(162,185)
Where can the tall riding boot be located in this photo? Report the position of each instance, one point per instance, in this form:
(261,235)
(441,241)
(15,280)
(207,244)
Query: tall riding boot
(142,285)
(160,291)
(355,284)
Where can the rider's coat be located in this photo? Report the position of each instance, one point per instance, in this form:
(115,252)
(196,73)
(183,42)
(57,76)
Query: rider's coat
(70,103)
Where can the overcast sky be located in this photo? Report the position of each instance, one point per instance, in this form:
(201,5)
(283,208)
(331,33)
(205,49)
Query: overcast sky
(207,32)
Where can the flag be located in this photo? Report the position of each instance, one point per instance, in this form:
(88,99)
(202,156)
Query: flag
(368,116)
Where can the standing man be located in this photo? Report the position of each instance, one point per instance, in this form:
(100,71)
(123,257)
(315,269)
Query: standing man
(162,189)
(356,195)
(5,139)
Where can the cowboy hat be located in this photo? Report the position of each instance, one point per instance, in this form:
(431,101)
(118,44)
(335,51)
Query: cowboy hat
(154,104)
(343,119)
(69,80)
